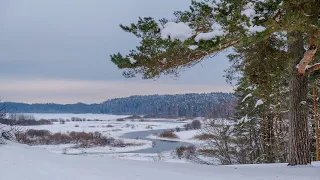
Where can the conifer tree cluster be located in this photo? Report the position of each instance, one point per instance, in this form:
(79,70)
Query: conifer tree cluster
(275,45)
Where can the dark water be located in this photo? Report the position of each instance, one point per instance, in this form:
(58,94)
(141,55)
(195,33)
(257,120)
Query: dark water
(160,145)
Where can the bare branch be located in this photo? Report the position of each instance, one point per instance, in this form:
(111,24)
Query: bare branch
(314,67)
(307,57)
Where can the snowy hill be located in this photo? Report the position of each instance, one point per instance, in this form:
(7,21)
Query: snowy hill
(20,162)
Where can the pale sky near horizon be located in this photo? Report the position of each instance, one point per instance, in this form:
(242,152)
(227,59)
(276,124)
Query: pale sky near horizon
(59,51)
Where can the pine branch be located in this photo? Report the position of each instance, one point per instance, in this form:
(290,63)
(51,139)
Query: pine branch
(314,67)
(307,57)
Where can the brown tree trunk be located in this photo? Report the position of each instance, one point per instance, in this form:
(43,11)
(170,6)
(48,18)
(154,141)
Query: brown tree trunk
(316,123)
(299,145)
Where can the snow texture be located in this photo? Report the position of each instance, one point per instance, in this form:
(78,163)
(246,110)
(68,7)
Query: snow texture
(254,29)
(193,47)
(116,129)
(19,162)
(217,31)
(247,96)
(259,102)
(250,12)
(132,61)
(180,31)
(183,136)
(245,118)
(251,88)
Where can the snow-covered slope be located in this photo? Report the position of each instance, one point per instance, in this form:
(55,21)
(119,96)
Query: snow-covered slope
(19,162)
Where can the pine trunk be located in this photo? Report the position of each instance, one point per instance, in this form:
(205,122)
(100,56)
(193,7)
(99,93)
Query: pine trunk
(316,123)
(299,145)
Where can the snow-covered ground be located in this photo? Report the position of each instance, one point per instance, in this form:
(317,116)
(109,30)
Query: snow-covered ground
(109,127)
(183,136)
(39,116)
(67,148)
(118,127)
(20,162)
(168,156)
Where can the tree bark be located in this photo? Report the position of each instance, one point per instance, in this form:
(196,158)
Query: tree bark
(299,145)
(316,123)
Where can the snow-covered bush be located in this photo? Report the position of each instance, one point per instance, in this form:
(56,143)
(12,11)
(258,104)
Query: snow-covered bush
(196,124)
(185,152)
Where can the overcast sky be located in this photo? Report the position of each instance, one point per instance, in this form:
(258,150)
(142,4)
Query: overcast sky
(59,51)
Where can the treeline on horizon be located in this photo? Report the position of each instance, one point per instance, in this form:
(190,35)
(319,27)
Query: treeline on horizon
(212,105)
(14,107)
(180,105)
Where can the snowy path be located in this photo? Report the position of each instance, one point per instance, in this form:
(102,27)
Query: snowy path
(19,162)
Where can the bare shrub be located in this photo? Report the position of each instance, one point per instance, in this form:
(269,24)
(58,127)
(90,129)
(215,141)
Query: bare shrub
(204,136)
(221,143)
(158,157)
(7,133)
(133,117)
(64,151)
(195,124)
(185,152)
(82,139)
(208,152)
(149,127)
(168,134)
(37,133)
(187,127)
(24,122)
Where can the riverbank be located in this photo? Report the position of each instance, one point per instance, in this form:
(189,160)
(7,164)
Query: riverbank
(131,131)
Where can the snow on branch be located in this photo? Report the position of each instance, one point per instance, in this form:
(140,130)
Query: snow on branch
(218,31)
(250,12)
(180,31)
(247,96)
(313,68)
(307,57)
(259,102)
(132,61)
(193,47)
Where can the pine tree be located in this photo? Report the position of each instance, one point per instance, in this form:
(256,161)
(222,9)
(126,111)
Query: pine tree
(209,27)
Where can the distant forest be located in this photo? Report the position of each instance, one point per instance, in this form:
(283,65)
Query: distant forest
(12,107)
(182,105)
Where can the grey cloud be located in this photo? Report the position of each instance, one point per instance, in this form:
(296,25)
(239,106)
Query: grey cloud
(72,40)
